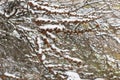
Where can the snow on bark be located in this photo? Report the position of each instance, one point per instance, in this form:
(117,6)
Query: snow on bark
(49,26)
(51,35)
(25,28)
(73,59)
(41,20)
(40,54)
(39,42)
(58,65)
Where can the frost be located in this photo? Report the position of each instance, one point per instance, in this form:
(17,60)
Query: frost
(72,75)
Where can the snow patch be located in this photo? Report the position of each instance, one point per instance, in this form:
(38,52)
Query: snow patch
(49,26)
(16,34)
(117,39)
(25,28)
(51,35)
(39,42)
(114,21)
(73,59)
(72,75)
(99,79)
(10,75)
(43,57)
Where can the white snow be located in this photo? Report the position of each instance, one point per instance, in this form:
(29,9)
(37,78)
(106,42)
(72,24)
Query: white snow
(72,58)
(114,22)
(1,11)
(110,58)
(51,35)
(10,0)
(58,65)
(25,28)
(105,12)
(73,19)
(54,10)
(16,34)
(93,48)
(69,20)
(72,75)
(54,47)
(50,26)
(45,19)
(10,75)
(99,79)
(8,15)
(2,2)
(43,57)
(74,49)
(117,39)
(101,33)
(34,3)
(39,42)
